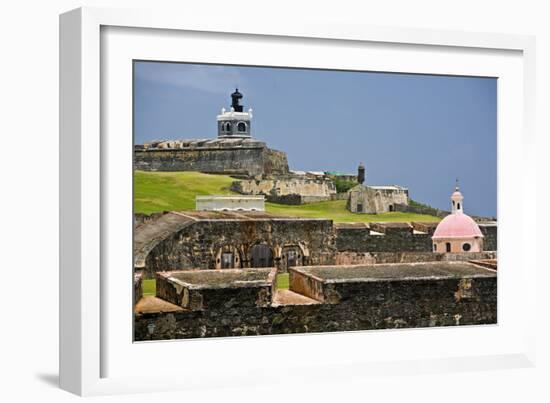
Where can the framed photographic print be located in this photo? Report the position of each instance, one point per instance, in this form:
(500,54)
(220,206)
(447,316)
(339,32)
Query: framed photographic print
(327,193)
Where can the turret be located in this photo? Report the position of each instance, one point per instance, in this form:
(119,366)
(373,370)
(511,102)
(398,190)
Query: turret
(457,205)
(235,99)
(235,123)
(361,173)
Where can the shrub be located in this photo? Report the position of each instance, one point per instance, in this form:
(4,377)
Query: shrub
(342,185)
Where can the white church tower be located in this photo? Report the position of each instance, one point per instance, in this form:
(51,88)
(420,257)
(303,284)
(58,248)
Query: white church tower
(234,123)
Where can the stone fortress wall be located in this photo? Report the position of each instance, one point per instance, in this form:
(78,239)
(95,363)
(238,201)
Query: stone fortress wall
(243,157)
(376,199)
(185,240)
(326,298)
(288,189)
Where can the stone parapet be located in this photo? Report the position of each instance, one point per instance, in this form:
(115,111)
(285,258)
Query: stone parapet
(350,298)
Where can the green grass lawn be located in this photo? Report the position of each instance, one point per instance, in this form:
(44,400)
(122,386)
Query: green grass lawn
(282,281)
(160,191)
(336,210)
(149,286)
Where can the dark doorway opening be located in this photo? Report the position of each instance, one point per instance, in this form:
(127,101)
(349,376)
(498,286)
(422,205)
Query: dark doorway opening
(261,256)
(448,246)
(228,260)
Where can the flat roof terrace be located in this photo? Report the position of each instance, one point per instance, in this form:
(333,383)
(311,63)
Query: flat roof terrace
(206,289)
(225,278)
(331,284)
(397,271)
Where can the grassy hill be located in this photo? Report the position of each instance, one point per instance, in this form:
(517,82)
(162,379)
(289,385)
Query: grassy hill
(160,191)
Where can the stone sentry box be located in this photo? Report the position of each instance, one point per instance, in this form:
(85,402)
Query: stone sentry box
(217,289)
(433,281)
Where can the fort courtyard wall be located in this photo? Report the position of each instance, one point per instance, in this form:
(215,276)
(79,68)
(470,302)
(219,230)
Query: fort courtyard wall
(184,240)
(342,298)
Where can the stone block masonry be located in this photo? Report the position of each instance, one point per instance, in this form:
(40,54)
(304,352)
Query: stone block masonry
(349,298)
(187,240)
(288,190)
(138,286)
(490,232)
(192,239)
(217,289)
(381,237)
(246,157)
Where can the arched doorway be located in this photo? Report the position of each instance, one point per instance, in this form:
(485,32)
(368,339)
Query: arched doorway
(261,255)
(228,257)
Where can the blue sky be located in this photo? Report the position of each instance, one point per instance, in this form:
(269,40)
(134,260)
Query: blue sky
(418,131)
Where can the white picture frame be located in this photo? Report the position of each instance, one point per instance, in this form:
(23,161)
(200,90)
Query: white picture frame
(88,312)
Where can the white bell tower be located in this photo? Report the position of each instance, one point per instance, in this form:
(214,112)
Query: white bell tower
(457,205)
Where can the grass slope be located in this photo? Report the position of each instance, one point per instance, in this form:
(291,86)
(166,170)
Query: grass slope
(160,191)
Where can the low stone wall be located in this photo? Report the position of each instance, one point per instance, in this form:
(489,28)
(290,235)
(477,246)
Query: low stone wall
(359,238)
(217,289)
(427,210)
(394,296)
(407,208)
(353,258)
(138,286)
(288,190)
(140,218)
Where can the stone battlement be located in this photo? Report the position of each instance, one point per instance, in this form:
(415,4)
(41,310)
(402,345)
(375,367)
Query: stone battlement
(242,156)
(338,298)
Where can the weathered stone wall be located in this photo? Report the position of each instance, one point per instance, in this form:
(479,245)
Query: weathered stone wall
(360,239)
(200,289)
(138,286)
(405,208)
(198,244)
(384,304)
(351,258)
(288,190)
(489,232)
(375,200)
(177,241)
(251,159)
(427,210)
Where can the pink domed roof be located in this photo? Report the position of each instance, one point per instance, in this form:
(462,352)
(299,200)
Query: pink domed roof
(457,225)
